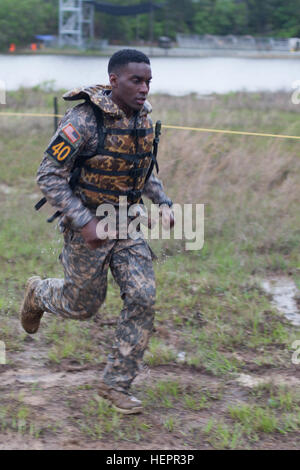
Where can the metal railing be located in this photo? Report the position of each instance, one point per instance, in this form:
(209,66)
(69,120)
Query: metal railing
(232,42)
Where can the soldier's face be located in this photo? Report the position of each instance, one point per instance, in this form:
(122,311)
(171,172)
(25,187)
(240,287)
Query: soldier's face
(130,86)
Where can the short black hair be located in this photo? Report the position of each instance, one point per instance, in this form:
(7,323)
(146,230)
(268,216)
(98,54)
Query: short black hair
(123,57)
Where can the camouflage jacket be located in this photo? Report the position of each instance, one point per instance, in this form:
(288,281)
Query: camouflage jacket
(77,136)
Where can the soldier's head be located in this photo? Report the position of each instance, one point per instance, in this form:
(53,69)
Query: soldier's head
(130,76)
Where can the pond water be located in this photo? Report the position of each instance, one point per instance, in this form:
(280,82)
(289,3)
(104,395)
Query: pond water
(176,76)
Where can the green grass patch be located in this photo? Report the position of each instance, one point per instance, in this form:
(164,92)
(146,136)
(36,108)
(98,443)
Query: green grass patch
(69,340)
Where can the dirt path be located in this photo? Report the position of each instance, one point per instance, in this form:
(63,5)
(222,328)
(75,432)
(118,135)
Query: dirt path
(54,406)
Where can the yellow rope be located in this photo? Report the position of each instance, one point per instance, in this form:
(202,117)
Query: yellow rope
(197,129)
(30,114)
(222,131)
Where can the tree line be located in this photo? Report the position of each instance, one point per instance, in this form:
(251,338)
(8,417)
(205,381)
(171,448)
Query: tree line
(21,20)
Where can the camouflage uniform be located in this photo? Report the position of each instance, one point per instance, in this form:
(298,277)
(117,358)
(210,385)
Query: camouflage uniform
(83,289)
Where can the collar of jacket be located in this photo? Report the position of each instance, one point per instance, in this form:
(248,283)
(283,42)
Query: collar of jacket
(100,96)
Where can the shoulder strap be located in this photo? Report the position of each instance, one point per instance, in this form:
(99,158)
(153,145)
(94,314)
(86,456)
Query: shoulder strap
(101,131)
(100,126)
(155,151)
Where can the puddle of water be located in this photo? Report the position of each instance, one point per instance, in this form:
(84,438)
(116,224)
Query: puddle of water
(252,381)
(47,379)
(37,378)
(283,291)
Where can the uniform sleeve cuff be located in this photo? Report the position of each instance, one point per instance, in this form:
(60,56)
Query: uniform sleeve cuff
(79,222)
(167,201)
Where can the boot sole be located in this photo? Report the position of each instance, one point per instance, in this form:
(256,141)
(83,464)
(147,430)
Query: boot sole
(127,411)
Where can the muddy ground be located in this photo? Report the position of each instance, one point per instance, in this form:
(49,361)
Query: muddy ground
(55,406)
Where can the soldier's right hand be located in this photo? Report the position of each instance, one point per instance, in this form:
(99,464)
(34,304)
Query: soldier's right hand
(167,216)
(94,236)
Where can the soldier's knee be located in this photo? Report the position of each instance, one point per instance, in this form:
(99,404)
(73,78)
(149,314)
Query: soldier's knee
(81,314)
(82,308)
(143,298)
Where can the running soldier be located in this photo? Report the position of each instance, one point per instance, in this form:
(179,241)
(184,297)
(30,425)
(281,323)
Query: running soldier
(103,150)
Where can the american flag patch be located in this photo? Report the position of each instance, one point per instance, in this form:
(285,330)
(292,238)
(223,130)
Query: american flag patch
(71,133)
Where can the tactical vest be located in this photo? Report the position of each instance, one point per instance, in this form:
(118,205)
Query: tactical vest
(121,163)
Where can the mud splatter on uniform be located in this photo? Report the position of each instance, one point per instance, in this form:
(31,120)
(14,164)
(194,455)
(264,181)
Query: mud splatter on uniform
(83,289)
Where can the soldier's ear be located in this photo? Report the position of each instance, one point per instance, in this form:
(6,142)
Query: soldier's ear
(113,79)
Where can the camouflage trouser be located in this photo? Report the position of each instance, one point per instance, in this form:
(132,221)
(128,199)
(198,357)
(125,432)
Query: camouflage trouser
(83,289)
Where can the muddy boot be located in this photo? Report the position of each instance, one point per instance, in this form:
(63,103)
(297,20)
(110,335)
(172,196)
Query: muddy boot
(122,402)
(30,313)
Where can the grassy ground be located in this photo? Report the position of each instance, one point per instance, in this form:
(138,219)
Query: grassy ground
(214,324)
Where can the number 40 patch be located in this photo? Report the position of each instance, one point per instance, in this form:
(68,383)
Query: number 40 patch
(60,150)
